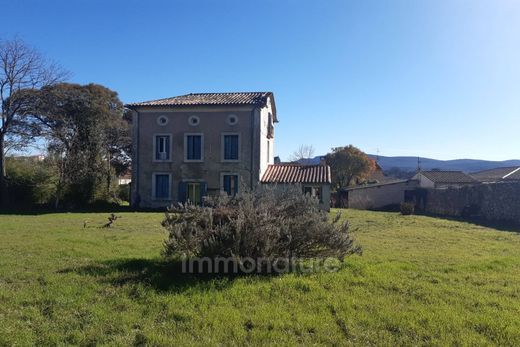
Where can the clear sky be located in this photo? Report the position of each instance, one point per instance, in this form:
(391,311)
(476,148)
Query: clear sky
(437,78)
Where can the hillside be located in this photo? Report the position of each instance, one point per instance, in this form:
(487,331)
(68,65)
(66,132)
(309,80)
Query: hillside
(466,165)
(410,163)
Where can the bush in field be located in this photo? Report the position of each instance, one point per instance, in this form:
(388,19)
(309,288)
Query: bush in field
(407,208)
(123,192)
(264,224)
(30,183)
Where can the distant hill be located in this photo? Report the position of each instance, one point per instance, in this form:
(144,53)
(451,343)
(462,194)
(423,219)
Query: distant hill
(466,165)
(410,163)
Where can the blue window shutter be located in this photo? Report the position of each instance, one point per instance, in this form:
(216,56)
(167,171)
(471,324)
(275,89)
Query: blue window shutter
(157,149)
(227,147)
(234,147)
(162,186)
(231,147)
(182,192)
(165,187)
(197,145)
(227,184)
(236,184)
(190,148)
(203,190)
(167,144)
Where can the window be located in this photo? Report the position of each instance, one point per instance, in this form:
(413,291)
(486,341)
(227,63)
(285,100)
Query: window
(231,147)
(162,120)
(232,119)
(313,191)
(192,192)
(230,184)
(270,127)
(193,147)
(268,151)
(161,187)
(162,147)
(194,120)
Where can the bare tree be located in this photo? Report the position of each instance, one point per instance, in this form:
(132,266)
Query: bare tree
(23,70)
(303,152)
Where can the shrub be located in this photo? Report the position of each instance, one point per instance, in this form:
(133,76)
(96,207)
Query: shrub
(268,223)
(30,183)
(407,208)
(123,192)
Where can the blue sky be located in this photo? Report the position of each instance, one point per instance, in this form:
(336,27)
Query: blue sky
(425,78)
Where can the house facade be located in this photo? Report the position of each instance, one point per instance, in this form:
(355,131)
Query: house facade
(191,146)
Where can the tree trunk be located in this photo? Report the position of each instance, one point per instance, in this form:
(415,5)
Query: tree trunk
(3,180)
(109,176)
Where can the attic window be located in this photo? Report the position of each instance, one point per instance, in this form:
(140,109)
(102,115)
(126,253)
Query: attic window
(232,119)
(194,120)
(162,120)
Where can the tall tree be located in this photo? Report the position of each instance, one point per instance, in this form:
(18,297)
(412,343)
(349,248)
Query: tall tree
(87,135)
(347,165)
(23,70)
(303,152)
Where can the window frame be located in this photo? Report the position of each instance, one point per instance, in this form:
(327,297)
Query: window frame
(159,118)
(223,147)
(190,118)
(154,182)
(203,186)
(312,187)
(222,188)
(170,149)
(186,160)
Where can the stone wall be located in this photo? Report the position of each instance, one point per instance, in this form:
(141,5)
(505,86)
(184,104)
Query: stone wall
(493,202)
(378,196)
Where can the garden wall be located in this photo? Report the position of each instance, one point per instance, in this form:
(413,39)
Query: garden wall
(378,196)
(493,202)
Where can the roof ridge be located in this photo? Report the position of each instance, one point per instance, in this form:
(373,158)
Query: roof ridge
(220,98)
(511,173)
(223,93)
(497,168)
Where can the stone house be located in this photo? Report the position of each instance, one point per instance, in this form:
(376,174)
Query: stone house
(196,145)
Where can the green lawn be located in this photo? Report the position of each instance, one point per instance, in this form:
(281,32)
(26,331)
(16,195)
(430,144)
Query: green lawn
(420,281)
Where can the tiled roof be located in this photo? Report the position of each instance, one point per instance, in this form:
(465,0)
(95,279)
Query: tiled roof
(498,174)
(294,173)
(448,177)
(247,98)
(513,176)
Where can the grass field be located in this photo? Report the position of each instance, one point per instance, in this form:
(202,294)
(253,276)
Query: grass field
(420,281)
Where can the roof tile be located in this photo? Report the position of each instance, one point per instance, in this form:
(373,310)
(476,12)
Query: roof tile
(294,173)
(237,98)
(448,177)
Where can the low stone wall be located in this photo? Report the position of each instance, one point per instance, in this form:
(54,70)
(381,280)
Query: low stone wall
(493,202)
(373,197)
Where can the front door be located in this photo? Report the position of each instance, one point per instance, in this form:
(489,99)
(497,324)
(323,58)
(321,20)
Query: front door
(193,193)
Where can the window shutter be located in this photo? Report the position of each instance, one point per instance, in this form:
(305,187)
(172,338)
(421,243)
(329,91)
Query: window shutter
(157,147)
(182,192)
(189,144)
(197,145)
(203,190)
(227,184)
(167,145)
(236,184)
(234,147)
(226,147)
